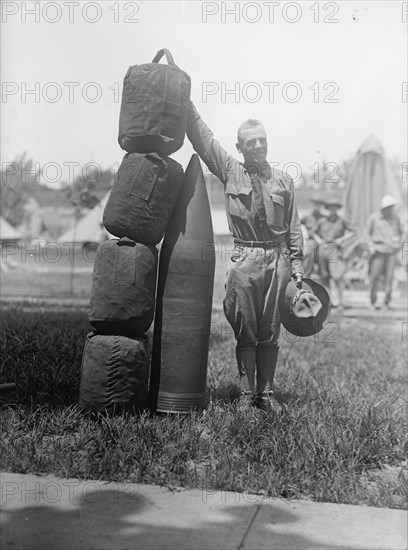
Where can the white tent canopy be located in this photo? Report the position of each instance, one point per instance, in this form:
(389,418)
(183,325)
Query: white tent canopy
(89,228)
(371,177)
(8,232)
(219,221)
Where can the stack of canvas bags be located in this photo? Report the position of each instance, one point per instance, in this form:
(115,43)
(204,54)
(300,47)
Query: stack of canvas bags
(152,125)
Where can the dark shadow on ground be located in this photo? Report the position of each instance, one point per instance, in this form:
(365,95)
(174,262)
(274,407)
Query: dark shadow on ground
(108,519)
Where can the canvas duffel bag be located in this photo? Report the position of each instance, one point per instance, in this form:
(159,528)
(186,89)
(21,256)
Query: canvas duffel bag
(143,196)
(123,287)
(114,372)
(155,101)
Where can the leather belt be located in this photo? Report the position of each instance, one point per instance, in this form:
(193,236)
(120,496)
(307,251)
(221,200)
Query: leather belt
(261,244)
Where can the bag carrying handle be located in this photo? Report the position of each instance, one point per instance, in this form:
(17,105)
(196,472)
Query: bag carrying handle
(125,241)
(169,57)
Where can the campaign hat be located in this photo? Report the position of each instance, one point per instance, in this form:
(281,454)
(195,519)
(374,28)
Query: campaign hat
(304,310)
(333,201)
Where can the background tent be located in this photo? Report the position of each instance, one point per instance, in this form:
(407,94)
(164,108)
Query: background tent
(219,221)
(88,229)
(371,177)
(7,232)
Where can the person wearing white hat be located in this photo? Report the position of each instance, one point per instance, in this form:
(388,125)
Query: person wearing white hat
(384,237)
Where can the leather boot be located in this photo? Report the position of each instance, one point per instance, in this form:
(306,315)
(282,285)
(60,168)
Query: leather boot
(266,359)
(246,359)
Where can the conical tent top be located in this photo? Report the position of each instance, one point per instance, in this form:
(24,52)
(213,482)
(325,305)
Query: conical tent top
(371,145)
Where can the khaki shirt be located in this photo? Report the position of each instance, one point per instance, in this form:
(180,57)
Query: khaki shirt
(384,234)
(331,228)
(311,222)
(282,220)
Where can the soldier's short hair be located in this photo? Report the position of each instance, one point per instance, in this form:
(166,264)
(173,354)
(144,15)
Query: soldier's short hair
(250,123)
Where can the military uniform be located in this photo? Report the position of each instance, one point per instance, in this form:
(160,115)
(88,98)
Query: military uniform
(331,229)
(385,236)
(311,248)
(263,219)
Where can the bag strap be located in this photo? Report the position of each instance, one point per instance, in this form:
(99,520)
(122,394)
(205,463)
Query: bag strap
(159,55)
(125,241)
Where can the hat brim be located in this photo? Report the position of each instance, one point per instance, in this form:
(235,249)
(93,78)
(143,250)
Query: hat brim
(305,327)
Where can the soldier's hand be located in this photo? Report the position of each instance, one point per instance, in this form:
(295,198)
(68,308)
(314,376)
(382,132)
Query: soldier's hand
(298,278)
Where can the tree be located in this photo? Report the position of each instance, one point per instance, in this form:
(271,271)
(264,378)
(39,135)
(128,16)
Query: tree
(16,179)
(81,193)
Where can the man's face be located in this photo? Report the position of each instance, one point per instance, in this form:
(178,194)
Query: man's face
(333,208)
(317,206)
(253,145)
(388,212)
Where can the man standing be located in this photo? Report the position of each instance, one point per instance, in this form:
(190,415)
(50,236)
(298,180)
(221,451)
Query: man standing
(310,221)
(384,240)
(263,219)
(332,229)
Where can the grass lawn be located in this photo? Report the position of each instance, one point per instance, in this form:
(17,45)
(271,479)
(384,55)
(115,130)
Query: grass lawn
(344,438)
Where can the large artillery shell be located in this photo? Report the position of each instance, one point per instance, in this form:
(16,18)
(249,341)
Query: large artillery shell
(184,301)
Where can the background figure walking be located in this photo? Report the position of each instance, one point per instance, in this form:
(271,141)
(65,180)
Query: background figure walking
(384,236)
(333,229)
(312,239)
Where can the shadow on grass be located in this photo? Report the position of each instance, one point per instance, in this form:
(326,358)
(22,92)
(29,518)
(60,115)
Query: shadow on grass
(227,392)
(108,518)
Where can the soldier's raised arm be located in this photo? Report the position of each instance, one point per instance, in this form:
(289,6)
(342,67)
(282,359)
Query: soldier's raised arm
(207,147)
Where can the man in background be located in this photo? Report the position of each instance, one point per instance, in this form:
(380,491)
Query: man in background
(332,230)
(384,233)
(312,239)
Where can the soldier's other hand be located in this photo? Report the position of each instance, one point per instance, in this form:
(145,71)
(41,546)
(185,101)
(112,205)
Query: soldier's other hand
(298,278)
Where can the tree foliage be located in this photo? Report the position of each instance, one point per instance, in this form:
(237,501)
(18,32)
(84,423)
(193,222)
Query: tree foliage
(16,179)
(83,192)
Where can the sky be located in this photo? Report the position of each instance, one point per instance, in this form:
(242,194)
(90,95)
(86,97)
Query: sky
(321,76)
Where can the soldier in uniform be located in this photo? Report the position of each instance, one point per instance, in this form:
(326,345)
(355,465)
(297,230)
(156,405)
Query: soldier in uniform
(310,222)
(384,241)
(332,229)
(263,219)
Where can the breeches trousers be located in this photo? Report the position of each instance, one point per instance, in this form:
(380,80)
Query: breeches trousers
(255,279)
